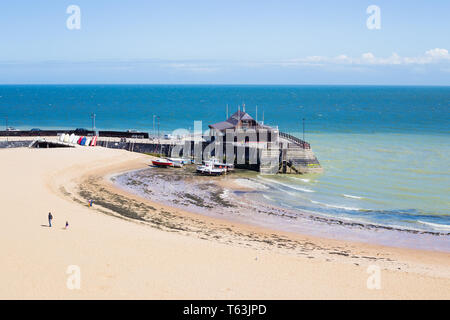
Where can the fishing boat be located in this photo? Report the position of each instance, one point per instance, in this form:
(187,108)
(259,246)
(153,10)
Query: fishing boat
(208,169)
(216,163)
(163,163)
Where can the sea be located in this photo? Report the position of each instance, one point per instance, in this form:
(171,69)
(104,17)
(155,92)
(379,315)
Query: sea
(385,150)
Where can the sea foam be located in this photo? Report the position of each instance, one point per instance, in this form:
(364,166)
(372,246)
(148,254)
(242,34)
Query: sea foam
(250,184)
(352,197)
(288,185)
(336,206)
(437,226)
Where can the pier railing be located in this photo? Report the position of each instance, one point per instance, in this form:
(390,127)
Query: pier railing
(300,142)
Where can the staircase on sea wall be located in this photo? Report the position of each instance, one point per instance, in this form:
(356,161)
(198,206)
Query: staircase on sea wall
(291,156)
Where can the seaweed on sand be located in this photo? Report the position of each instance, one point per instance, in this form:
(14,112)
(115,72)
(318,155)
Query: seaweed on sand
(195,200)
(216,197)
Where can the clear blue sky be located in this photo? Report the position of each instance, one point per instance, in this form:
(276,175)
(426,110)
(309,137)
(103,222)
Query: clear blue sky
(218,41)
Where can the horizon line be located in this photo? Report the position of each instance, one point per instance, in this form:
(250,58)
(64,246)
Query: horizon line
(222,84)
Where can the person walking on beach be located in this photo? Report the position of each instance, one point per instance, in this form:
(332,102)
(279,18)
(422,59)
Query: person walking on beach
(67,225)
(50,217)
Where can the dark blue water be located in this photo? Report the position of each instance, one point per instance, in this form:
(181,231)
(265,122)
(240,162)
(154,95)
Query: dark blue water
(345,109)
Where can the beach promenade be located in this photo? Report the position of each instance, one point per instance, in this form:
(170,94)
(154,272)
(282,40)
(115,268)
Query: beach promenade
(123,258)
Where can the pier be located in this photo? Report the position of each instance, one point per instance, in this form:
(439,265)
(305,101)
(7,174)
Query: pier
(239,140)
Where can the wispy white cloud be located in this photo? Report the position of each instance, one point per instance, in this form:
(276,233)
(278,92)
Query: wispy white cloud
(433,62)
(192,67)
(432,56)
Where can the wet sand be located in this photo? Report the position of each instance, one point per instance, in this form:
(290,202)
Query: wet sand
(238,197)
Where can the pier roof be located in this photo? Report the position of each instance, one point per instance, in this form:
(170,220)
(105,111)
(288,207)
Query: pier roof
(235,121)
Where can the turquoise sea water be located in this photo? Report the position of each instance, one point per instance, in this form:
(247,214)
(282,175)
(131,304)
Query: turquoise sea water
(380,178)
(385,150)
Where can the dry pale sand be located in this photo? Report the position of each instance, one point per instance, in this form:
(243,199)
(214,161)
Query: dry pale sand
(170,254)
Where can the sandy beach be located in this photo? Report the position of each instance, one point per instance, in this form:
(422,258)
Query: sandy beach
(127,247)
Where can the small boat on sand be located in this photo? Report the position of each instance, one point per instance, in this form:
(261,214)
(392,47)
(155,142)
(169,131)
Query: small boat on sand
(216,163)
(208,169)
(178,162)
(163,163)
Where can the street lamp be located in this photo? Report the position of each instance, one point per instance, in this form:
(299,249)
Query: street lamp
(303,129)
(93,115)
(157,117)
(6,120)
(159,141)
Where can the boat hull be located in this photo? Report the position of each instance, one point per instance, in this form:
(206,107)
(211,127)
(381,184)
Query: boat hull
(162,164)
(210,171)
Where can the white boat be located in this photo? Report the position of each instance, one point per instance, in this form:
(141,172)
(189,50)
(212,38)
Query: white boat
(209,169)
(179,162)
(219,164)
